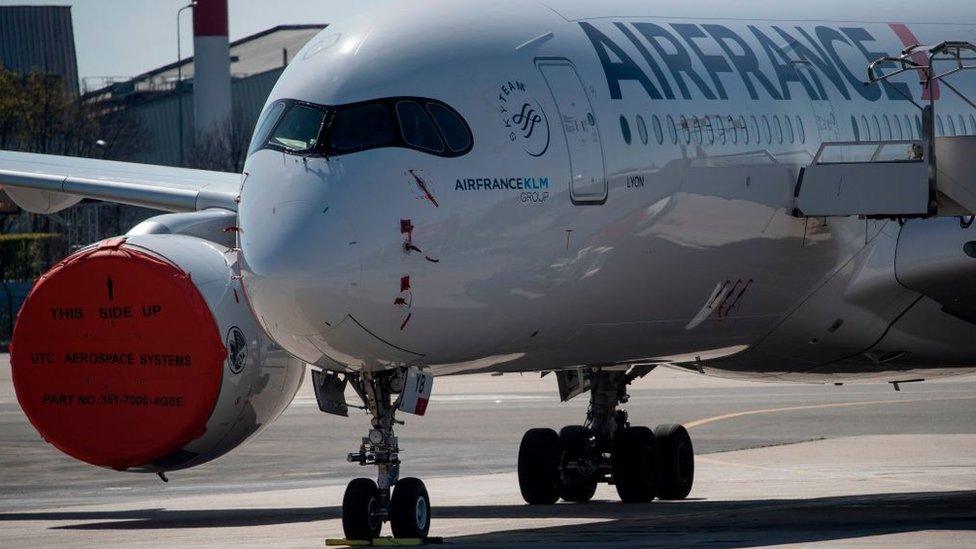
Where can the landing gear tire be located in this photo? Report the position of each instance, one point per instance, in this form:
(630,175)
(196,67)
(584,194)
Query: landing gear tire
(410,509)
(575,485)
(538,466)
(635,464)
(359,521)
(676,470)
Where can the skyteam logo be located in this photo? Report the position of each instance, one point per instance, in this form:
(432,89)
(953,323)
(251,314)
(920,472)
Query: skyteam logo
(528,119)
(524,118)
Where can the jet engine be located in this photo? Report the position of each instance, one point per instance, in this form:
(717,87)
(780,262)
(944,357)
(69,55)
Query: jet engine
(141,353)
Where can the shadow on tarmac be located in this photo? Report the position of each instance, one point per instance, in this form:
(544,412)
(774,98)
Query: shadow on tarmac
(715,523)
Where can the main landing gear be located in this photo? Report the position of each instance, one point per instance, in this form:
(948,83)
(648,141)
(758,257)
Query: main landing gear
(401,501)
(642,464)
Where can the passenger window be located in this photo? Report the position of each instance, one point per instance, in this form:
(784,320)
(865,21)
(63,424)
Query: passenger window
(417,128)
(962,125)
(898,132)
(952,125)
(801,130)
(625,129)
(360,128)
(683,122)
(789,129)
(672,131)
(454,130)
(939,125)
(658,131)
(778,128)
(299,129)
(267,122)
(642,129)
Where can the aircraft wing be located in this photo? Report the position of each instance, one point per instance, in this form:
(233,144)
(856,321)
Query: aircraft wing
(46,184)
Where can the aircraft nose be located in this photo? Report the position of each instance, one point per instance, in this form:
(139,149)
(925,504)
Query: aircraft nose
(301,267)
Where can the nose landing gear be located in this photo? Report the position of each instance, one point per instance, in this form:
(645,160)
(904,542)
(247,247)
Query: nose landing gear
(642,464)
(368,504)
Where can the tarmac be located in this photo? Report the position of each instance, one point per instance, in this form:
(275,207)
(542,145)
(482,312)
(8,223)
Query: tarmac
(777,464)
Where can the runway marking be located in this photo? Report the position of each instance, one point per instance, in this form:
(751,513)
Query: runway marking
(723,417)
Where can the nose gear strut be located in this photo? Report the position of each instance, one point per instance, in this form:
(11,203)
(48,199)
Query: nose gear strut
(366,504)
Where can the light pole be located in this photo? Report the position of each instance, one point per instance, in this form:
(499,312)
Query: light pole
(179,72)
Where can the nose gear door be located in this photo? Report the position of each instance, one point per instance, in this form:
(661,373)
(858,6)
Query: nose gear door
(588,184)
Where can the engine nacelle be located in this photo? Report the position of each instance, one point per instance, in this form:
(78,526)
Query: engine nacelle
(141,353)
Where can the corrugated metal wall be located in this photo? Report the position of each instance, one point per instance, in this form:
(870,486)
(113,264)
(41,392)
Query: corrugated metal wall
(160,116)
(251,93)
(39,37)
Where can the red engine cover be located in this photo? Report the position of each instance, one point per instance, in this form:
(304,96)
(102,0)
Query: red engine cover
(116,358)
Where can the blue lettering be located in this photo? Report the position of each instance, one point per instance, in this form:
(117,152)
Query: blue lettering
(806,58)
(783,65)
(714,64)
(818,60)
(894,90)
(616,72)
(746,63)
(678,62)
(658,73)
(828,37)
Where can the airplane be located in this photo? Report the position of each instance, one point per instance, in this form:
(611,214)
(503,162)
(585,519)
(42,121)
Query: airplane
(593,190)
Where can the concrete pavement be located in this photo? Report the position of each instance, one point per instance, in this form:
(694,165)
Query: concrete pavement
(777,464)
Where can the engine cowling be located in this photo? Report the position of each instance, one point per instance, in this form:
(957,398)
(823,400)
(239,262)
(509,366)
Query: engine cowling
(141,354)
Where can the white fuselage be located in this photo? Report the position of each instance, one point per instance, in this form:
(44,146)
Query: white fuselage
(627,197)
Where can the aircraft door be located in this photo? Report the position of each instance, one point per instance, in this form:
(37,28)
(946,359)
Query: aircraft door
(827,126)
(827,123)
(588,183)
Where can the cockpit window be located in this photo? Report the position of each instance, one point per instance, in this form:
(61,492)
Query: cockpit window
(417,128)
(268,121)
(426,125)
(299,129)
(453,129)
(360,128)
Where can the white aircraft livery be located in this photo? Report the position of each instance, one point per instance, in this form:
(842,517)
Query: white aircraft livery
(778,191)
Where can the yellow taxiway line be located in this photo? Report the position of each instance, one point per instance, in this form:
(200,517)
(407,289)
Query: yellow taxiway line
(734,415)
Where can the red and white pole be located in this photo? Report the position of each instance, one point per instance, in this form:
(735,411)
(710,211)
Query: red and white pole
(211,59)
